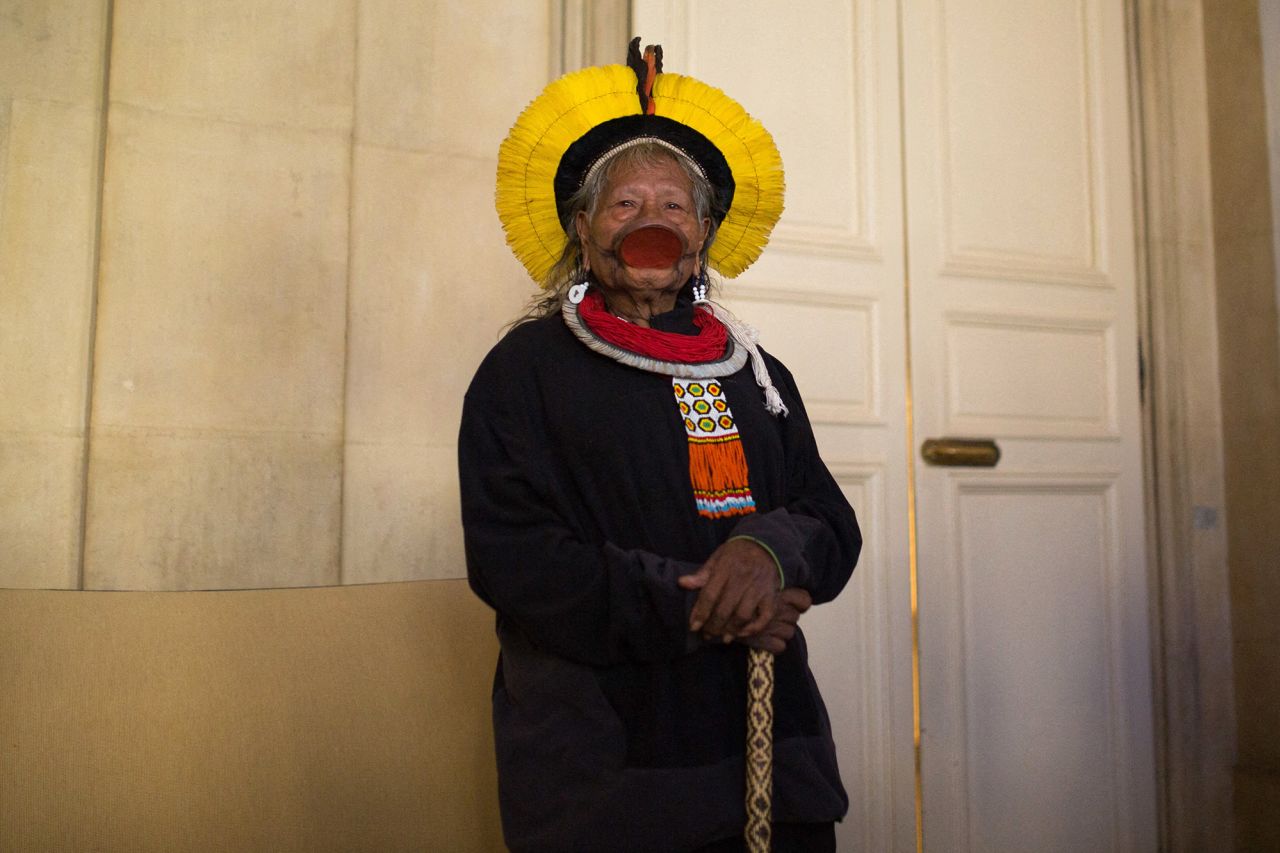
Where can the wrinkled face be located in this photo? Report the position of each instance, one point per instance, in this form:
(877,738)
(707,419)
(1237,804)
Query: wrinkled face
(643,237)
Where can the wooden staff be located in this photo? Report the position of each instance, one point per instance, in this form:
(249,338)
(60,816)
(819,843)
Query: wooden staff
(759,751)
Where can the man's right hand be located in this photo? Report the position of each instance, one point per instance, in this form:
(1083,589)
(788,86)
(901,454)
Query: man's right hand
(791,603)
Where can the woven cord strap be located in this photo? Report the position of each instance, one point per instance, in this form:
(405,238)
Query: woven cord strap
(759,751)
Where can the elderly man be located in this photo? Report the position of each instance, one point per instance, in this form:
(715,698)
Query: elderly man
(643,501)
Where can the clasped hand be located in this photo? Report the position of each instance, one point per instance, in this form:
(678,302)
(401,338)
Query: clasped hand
(738,598)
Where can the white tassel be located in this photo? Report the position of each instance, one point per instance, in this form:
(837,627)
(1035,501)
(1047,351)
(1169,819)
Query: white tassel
(748,338)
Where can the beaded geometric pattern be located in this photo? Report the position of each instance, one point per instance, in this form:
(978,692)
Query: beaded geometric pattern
(717,465)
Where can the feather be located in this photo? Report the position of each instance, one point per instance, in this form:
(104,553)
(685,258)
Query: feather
(752,156)
(580,101)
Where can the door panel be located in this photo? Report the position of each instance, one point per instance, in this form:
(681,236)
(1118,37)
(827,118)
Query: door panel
(1015,77)
(1035,680)
(1031,376)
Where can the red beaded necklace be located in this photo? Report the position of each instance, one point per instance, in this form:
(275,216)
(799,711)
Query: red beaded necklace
(708,345)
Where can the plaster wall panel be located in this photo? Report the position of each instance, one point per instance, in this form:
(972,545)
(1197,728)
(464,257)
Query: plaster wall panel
(48,205)
(402,519)
(268,62)
(40,485)
(432,287)
(51,50)
(51,65)
(431,290)
(183,510)
(444,75)
(223,288)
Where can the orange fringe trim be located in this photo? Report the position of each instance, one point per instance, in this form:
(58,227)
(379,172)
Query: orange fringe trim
(718,472)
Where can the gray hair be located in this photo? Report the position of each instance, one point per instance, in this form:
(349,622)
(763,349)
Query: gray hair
(567,271)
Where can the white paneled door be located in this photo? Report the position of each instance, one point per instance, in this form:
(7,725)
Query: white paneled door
(1034,649)
(961,169)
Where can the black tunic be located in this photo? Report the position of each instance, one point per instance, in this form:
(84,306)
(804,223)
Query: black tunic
(616,727)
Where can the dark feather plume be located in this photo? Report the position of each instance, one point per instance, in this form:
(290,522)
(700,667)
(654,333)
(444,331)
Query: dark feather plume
(635,61)
(638,63)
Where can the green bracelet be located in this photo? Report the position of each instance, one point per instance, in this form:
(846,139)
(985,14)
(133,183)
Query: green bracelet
(782,578)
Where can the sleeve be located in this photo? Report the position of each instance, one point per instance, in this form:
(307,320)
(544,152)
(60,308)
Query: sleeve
(593,604)
(814,535)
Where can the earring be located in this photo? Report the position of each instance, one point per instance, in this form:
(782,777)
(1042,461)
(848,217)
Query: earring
(701,287)
(579,291)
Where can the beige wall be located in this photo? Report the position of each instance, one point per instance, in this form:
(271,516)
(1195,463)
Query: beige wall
(51,66)
(1247,318)
(299,270)
(309,720)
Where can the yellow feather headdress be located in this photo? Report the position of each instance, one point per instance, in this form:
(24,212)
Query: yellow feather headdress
(586,113)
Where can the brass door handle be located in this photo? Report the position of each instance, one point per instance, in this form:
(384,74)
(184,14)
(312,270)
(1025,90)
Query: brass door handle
(961,452)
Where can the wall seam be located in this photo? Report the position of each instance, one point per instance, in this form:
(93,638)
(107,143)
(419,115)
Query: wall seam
(346,328)
(86,419)
(1157,302)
